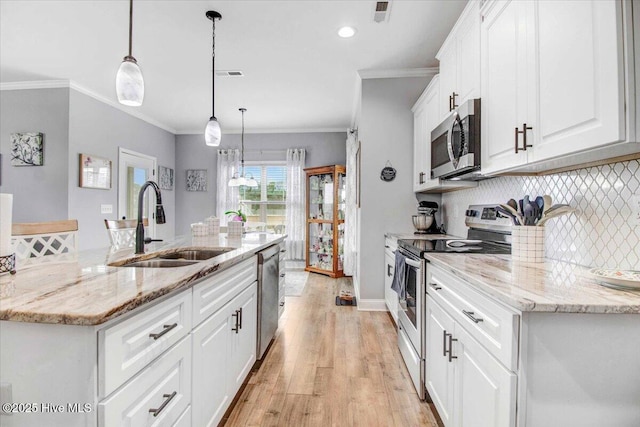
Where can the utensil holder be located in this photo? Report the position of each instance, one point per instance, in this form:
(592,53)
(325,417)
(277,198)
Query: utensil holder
(213,225)
(234,229)
(527,244)
(198,229)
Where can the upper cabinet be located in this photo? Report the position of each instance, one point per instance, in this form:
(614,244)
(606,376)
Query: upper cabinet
(553,84)
(459,59)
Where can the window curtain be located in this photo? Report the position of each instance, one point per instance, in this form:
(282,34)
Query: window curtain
(350,206)
(295,217)
(227,198)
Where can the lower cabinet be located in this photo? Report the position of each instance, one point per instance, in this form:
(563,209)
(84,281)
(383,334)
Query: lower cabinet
(390,296)
(224,350)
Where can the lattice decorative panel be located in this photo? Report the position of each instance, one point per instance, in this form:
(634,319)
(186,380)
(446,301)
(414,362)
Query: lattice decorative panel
(37,245)
(599,234)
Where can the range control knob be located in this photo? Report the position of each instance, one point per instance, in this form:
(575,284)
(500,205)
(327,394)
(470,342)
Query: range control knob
(471,212)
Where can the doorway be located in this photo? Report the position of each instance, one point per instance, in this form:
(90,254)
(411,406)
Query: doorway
(134,169)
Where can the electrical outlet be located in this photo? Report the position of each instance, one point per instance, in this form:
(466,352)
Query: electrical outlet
(635,210)
(106,209)
(5,396)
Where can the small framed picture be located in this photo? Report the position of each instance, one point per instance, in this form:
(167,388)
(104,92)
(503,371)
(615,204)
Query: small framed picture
(165,178)
(27,149)
(197,180)
(95,172)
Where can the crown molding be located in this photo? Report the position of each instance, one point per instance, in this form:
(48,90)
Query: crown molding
(262,131)
(57,84)
(398,73)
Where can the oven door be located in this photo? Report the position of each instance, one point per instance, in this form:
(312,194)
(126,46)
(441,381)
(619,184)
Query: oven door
(410,307)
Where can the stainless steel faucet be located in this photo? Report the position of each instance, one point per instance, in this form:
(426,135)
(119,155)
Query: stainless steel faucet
(160,219)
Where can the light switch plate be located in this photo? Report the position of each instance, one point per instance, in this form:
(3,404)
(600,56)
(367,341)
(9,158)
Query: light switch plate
(635,210)
(106,209)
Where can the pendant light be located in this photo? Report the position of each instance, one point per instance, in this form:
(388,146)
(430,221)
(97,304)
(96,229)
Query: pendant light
(237,181)
(212,133)
(129,82)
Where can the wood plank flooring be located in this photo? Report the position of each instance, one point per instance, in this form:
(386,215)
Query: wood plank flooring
(331,366)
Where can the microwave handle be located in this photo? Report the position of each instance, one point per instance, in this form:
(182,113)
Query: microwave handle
(455,118)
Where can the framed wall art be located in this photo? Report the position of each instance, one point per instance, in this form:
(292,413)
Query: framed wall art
(27,149)
(196,180)
(165,178)
(95,172)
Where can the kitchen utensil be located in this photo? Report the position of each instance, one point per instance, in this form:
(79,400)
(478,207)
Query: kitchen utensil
(526,200)
(422,222)
(512,213)
(540,203)
(521,206)
(507,214)
(513,204)
(556,206)
(529,214)
(626,279)
(548,202)
(560,211)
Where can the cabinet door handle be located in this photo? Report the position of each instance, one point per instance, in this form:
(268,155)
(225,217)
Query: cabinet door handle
(435,287)
(236,314)
(524,130)
(444,342)
(240,317)
(389,270)
(166,329)
(453,101)
(167,399)
(451,340)
(450,103)
(421,177)
(282,274)
(282,304)
(470,315)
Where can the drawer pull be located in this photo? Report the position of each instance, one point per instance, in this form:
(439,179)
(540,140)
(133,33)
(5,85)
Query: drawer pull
(435,287)
(389,270)
(236,314)
(282,304)
(451,340)
(283,274)
(167,398)
(166,329)
(470,315)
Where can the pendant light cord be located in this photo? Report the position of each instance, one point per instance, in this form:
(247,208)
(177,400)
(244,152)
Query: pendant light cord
(130,26)
(242,110)
(213,69)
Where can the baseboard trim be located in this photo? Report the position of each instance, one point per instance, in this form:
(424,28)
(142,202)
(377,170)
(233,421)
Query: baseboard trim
(372,305)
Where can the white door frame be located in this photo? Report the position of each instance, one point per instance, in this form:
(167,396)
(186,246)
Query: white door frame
(126,157)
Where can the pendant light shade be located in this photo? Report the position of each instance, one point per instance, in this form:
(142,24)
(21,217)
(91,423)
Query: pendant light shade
(213,133)
(238,180)
(129,81)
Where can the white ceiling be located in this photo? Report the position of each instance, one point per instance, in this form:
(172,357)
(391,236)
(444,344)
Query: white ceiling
(299,75)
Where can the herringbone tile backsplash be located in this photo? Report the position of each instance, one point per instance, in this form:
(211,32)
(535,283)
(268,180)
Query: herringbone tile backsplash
(601,232)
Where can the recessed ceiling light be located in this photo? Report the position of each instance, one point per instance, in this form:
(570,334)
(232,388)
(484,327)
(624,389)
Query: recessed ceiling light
(346,32)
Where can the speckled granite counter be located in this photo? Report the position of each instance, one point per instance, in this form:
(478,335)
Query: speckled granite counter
(553,286)
(83,289)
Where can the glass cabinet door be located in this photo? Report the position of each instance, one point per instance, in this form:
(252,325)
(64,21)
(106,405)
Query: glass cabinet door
(321,246)
(321,197)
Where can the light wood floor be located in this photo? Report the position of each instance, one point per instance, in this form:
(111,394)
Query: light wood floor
(331,366)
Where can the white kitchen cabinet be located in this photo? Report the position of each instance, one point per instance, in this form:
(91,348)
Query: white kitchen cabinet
(281,280)
(471,354)
(426,116)
(224,350)
(459,59)
(553,84)
(390,296)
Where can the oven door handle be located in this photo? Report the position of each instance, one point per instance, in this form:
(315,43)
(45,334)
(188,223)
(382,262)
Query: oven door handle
(412,263)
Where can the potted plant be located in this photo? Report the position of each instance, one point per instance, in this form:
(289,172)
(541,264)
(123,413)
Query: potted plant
(237,215)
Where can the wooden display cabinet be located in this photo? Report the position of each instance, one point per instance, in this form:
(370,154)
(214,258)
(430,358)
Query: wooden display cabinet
(325,220)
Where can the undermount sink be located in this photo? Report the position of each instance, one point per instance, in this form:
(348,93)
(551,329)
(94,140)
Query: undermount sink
(160,263)
(195,254)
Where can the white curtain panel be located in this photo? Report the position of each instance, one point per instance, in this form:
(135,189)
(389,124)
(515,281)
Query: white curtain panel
(350,211)
(227,198)
(295,220)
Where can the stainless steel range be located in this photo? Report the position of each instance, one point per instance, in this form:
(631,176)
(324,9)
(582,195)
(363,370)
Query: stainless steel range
(488,234)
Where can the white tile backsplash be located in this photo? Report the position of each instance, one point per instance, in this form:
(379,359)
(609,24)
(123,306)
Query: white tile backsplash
(601,232)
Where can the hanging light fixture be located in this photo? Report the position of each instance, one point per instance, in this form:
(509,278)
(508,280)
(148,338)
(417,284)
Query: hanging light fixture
(237,181)
(129,82)
(212,133)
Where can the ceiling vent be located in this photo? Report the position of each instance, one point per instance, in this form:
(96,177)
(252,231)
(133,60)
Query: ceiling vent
(381,12)
(229,73)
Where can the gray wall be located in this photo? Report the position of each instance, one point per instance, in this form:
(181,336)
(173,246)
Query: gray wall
(99,129)
(385,130)
(39,192)
(191,153)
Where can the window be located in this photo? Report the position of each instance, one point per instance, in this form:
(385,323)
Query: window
(267,202)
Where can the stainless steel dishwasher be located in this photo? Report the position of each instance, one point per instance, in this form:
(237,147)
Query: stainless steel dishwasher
(268,277)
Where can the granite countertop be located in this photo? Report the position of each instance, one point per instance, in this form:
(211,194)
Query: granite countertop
(552,286)
(83,289)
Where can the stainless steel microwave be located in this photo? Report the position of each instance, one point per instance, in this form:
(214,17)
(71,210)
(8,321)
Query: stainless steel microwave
(455,144)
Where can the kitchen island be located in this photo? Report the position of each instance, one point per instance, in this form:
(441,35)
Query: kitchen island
(85,341)
(531,345)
